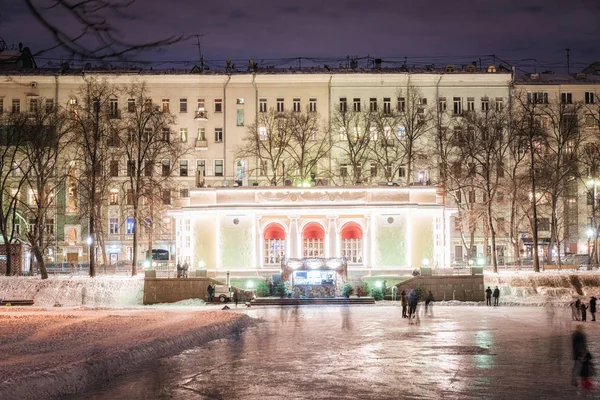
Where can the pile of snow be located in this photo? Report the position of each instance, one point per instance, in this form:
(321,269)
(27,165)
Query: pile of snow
(548,287)
(47,353)
(72,291)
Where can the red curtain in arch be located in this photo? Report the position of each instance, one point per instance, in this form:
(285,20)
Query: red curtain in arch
(274,231)
(313,231)
(351,230)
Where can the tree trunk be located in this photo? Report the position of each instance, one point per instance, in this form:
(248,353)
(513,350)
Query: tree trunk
(536,258)
(493,236)
(135,238)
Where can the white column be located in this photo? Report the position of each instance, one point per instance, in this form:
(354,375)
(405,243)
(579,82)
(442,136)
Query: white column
(332,249)
(259,242)
(366,242)
(293,237)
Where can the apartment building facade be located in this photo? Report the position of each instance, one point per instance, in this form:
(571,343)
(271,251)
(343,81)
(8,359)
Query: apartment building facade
(215,114)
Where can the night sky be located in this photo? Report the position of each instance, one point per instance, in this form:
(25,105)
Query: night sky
(424,31)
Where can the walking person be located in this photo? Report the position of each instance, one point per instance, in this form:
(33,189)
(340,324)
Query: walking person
(488,296)
(587,371)
(578,309)
(236,297)
(593,307)
(574,312)
(404,303)
(429,304)
(579,346)
(184,270)
(209,290)
(179,270)
(496,296)
(583,309)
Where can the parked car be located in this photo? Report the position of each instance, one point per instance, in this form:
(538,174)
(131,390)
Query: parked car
(223,293)
(581,260)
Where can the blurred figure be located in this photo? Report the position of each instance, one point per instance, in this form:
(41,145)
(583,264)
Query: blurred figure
(574,312)
(593,307)
(413,315)
(345,313)
(579,344)
(587,371)
(403,301)
(179,270)
(236,297)
(429,304)
(209,290)
(578,309)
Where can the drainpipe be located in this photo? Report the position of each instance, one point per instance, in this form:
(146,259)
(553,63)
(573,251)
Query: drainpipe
(225,127)
(329,114)
(255,116)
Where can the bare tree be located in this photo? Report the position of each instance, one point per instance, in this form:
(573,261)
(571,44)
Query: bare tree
(91,124)
(484,150)
(13,177)
(48,137)
(309,144)
(267,140)
(147,145)
(558,166)
(87,28)
(525,120)
(353,141)
(413,123)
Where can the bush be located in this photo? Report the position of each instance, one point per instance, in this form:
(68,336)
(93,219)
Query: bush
(281,289)
(347,290)
(263,289)
(377,294)
(363,289)
(420,291)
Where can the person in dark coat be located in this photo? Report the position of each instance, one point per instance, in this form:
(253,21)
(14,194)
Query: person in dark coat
(579,345)
(429,304)
(593,307)
(583,309)
(578,309)
(587,371)
(404,303)
(488,296)
(413,301)
(236,297)
(179,270)
(209,289)
(496,295)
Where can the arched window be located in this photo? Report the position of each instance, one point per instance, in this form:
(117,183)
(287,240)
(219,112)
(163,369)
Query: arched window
(313,237)
(274,250)
(352,242)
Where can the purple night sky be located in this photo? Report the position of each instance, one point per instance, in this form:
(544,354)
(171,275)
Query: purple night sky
(423,31)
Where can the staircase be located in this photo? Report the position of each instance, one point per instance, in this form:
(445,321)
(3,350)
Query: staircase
(339,301)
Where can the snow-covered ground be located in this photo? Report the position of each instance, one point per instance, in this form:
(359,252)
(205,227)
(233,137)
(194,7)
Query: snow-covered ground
(69,291)
(50,352)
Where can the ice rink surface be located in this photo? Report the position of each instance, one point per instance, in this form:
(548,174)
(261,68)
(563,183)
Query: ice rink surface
(370,352)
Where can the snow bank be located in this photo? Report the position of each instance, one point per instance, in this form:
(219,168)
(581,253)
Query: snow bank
(549,287)
(105,291)
(51,353)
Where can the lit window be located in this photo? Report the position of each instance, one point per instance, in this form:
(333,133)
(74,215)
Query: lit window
(130,226)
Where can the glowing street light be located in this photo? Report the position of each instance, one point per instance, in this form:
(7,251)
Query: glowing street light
(378,284)
(425,262)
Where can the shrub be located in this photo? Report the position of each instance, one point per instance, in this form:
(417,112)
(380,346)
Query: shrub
(363,289)
(377,294)
(281,289)
(347,290)
(263,289)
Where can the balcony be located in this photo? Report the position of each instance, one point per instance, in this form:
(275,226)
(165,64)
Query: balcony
(201,115)
(201,144)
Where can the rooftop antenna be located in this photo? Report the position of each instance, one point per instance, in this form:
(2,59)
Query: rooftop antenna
(568,61)
(199,44)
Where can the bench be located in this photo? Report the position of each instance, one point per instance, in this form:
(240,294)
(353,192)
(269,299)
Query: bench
(6,302)
(555,266)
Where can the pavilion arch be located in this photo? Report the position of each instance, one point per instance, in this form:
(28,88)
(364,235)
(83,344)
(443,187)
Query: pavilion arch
(351,235)
(313,240)
(274,239)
